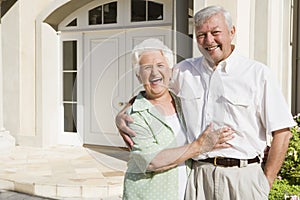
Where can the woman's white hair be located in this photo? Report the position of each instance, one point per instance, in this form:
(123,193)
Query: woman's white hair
(151,44)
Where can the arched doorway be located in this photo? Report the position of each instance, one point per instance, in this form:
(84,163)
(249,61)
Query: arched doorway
(96,74)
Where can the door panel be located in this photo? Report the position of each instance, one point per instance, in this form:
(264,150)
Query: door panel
(104,53)
(109,80)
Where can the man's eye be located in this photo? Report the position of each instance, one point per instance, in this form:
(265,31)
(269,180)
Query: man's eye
(200,36)
(216,32)
(161,66)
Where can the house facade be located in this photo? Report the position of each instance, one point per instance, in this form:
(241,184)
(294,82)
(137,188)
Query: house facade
(66,69)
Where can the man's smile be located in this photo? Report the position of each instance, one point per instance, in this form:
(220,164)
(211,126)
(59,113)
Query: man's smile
(211,48)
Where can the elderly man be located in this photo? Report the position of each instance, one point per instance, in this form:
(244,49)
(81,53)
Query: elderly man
(226,89)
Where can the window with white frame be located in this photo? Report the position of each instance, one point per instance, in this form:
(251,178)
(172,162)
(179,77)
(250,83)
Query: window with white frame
(146,11)
(103,14)
(70,85)
(72,23)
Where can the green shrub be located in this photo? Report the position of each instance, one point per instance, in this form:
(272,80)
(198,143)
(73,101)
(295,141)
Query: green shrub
(283,190)
(288,183)
(290,169)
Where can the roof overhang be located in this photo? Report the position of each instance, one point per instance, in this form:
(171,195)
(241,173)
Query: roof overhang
(6,5)
(63,11)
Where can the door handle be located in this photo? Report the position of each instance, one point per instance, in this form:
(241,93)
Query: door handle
(121,103)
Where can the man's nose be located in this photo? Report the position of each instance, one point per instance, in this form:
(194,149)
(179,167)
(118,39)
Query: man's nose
(209,38)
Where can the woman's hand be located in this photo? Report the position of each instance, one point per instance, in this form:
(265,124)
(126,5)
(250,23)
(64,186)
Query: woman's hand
(216,139)
(225,135)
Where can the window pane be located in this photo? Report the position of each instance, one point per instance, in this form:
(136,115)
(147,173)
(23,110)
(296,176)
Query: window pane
(110,13)
(191,8)
(138,10)
(70,86)
(70,117)
(95,16)
(70,55)
(155,11)
(73,23)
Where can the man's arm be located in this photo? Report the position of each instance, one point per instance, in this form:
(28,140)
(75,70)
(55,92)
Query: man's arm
(121,121)
(277,153)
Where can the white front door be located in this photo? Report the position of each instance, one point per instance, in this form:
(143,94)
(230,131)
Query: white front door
(109,80)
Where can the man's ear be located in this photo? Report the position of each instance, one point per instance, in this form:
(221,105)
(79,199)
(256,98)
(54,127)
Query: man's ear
(232,32)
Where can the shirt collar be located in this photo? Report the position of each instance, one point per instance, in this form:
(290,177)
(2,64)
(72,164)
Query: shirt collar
(141,103)
(229,66)
(226,66)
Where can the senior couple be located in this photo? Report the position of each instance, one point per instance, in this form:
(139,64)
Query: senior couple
(205,137)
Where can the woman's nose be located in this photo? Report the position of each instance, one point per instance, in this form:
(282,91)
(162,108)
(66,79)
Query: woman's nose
(154,69)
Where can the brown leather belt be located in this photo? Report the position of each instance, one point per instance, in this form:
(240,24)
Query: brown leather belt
(230,162)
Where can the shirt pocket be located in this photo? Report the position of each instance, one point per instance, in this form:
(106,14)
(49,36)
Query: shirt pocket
(238,107)
(237,101)
(190,94)
(191,101)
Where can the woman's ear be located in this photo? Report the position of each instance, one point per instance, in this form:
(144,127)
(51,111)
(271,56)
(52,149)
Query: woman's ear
(171,72)
(139,78)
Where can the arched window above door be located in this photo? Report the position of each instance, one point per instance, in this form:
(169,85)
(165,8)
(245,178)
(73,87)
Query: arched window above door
(106,14)
(72,23)
(146,10)
(103,14)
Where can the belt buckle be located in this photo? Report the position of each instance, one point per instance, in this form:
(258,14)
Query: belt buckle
(243,163)
(215,160)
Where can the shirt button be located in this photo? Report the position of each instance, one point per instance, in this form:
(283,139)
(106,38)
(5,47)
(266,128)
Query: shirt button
(208,117)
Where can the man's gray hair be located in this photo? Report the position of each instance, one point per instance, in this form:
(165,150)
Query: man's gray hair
(202,15)
(151,44)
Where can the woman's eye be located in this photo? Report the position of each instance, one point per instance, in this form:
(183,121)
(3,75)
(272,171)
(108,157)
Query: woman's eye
(147,66)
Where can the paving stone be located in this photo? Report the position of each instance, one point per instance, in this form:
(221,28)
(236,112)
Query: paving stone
(11,195)
(62,172)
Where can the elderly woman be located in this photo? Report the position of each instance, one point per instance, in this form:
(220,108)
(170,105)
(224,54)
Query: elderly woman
(157,167)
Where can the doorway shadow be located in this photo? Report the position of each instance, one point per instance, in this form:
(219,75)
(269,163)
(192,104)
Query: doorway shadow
(120,153)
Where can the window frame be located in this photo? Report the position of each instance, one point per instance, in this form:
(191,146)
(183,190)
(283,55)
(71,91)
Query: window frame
(147,14)
(123,16)
(78,37)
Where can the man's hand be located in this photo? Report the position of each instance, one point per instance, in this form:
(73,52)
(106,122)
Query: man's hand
(127,139)
(266,154)
(121,121)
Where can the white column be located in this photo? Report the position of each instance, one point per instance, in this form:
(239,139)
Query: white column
(7,142)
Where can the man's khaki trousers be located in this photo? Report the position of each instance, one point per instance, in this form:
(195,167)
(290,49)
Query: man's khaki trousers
(209,182)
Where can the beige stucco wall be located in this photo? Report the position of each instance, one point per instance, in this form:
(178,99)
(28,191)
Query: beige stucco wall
(50,122)
(19,67)
(11,70)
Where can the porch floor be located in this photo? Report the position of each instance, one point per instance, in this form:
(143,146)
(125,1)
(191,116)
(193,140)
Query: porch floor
(65,172)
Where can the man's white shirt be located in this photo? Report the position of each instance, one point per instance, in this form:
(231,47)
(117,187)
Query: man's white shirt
(240,93)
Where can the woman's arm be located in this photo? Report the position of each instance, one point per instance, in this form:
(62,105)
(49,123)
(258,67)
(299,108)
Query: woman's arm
(169,158)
